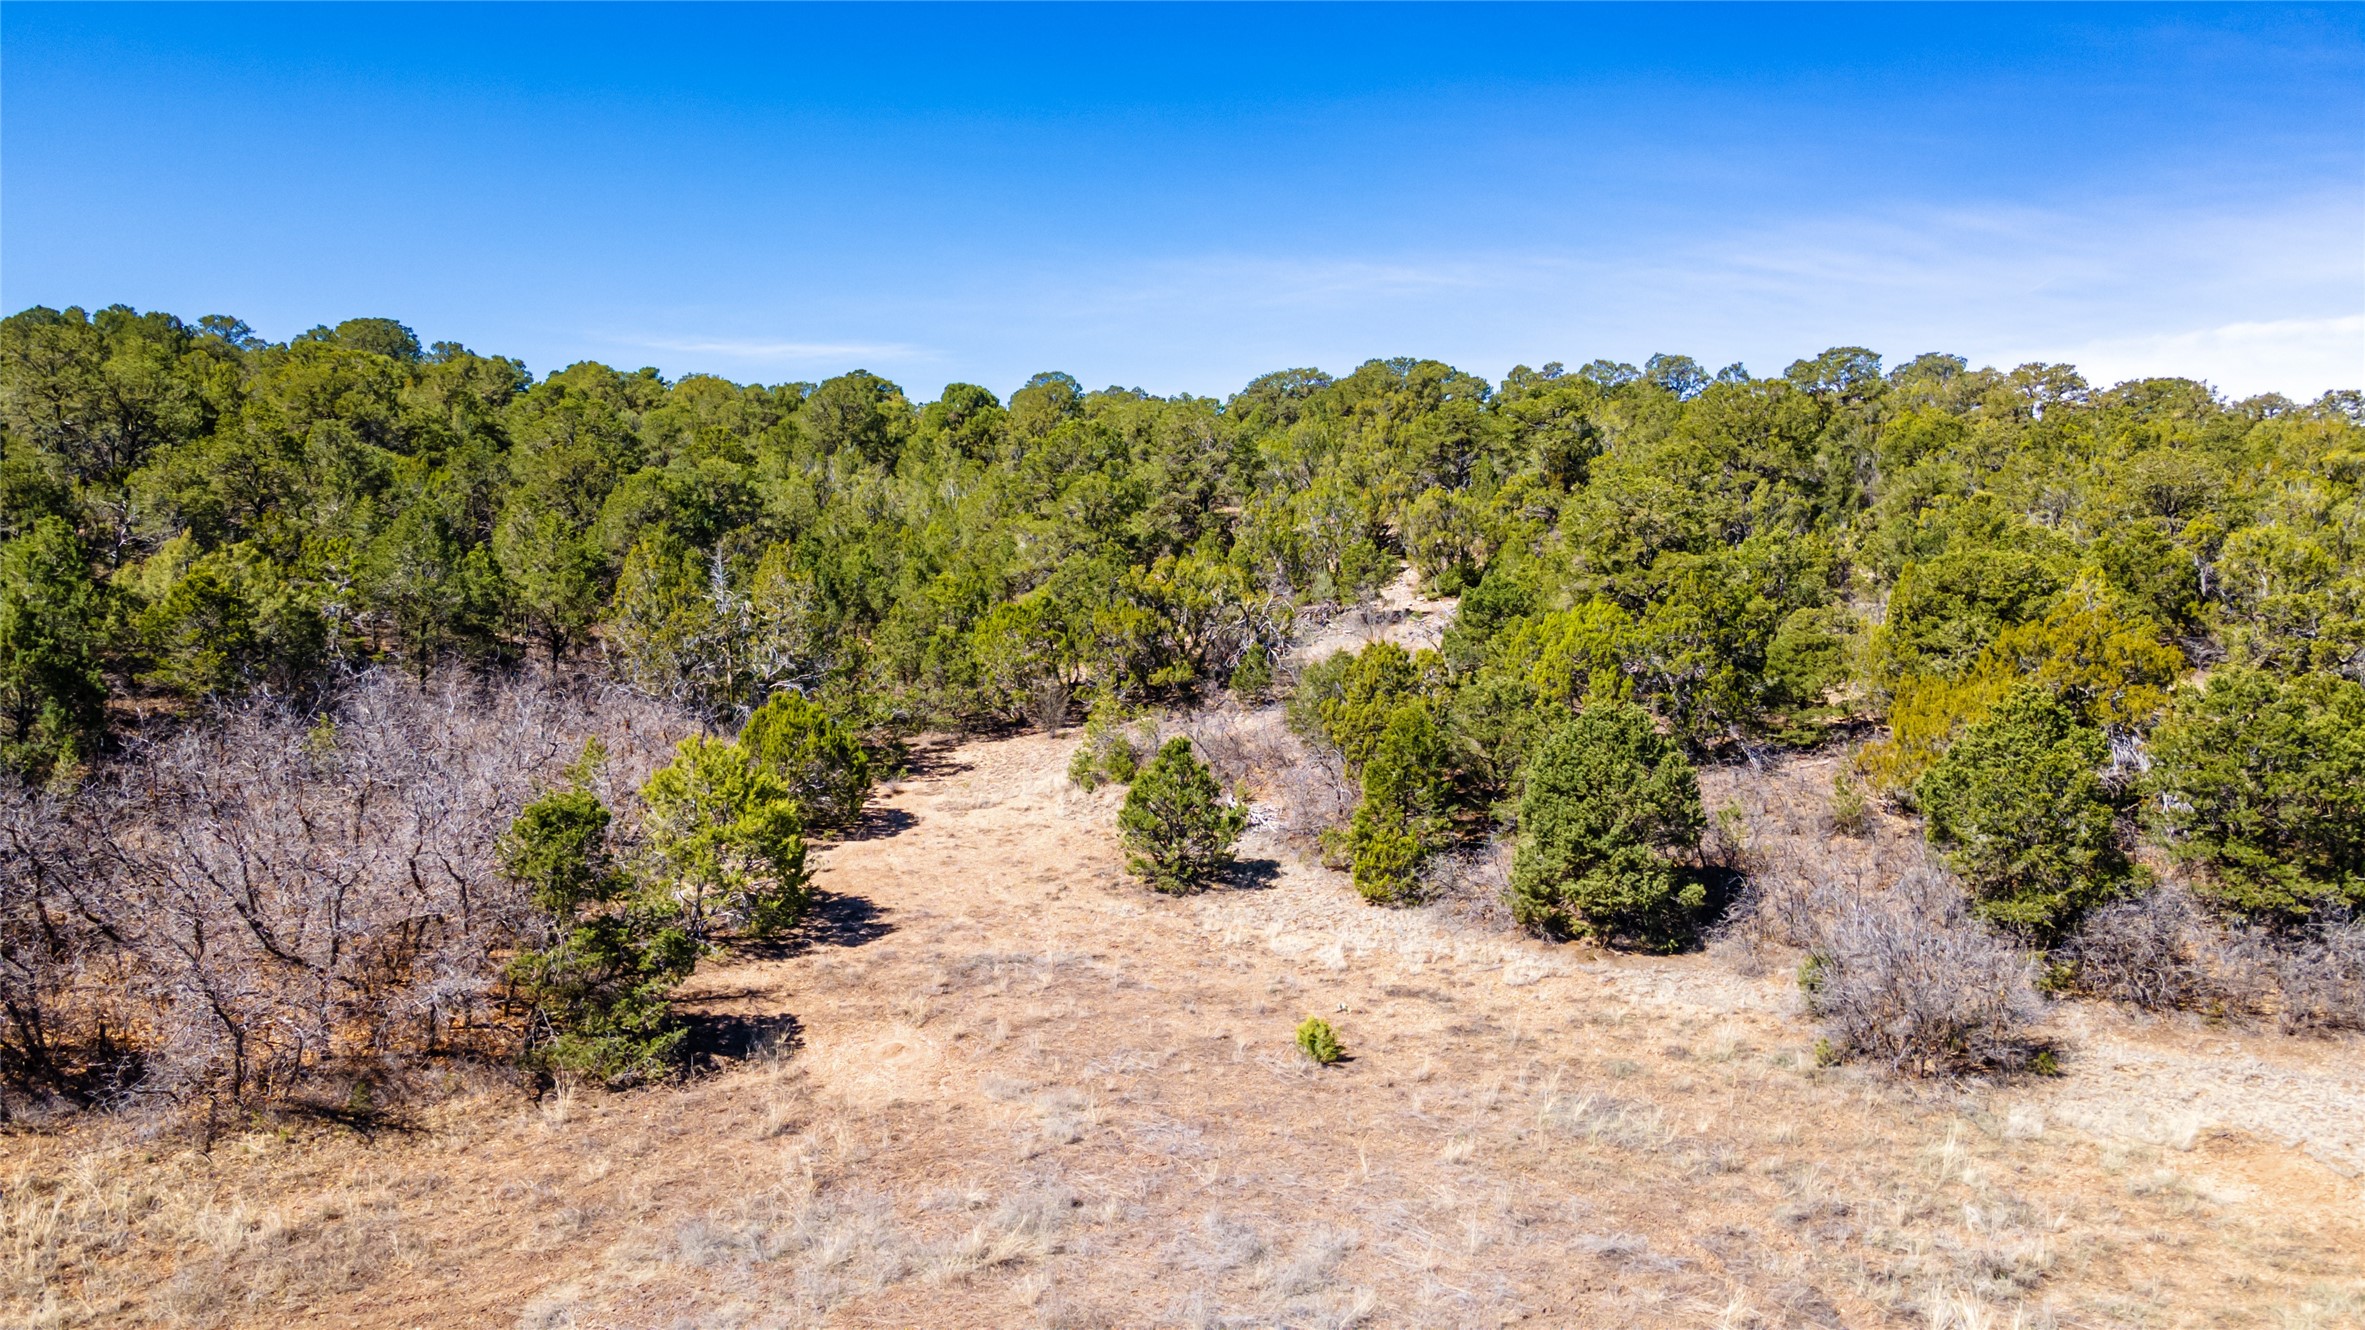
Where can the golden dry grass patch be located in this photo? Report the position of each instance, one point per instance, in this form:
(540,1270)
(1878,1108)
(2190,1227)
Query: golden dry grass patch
(1025,1092)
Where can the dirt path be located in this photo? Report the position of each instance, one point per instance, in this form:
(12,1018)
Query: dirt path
(1000,1085)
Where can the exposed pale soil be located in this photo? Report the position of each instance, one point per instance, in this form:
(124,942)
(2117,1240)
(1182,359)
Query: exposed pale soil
(1002,1085)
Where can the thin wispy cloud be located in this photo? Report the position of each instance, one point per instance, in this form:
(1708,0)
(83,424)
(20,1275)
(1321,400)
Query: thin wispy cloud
(2252,296)
(761,350)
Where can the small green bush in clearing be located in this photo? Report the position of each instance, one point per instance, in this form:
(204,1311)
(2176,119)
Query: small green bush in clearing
(1177,827)
(1810,974)
(1318,1041)
(1252,677)
(1607,796)
(1851,812)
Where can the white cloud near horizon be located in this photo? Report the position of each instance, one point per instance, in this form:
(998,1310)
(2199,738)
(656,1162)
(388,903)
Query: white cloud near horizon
(2238,359)
(758,351)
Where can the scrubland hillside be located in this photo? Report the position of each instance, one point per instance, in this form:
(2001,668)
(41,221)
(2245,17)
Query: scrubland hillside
(1865,846)
(992,1081)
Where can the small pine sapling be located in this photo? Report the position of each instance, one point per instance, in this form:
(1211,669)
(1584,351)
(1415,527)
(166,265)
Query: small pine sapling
(1319,1042)
(1177,826)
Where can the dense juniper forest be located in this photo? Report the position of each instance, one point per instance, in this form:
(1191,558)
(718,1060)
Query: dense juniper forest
(370,706)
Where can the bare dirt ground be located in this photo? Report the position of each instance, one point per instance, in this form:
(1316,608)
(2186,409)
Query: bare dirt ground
(1399,614)
(999,1084)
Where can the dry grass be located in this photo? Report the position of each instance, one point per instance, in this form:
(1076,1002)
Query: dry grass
(1025,1093)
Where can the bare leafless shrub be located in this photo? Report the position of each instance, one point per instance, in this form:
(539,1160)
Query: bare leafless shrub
(62,1019)
(2319,975)
(1228,740)
(1047,705)
(1920,993)
(1470,884)
(274,892)
(2163,951)
(1899,973)
(1301,790)
(2159,951)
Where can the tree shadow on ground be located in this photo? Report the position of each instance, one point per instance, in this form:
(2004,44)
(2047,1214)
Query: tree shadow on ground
(716,1038)
(356,1114)
(1253,874)
(878,824)
(932,759)
(834,920)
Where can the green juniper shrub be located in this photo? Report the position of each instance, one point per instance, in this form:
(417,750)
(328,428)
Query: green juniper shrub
(1407,786)
(2018,803)
(1851,812)
(1806,660)
(216,623)
(1484,611)
(1177,826)
(1607,798)
(1374,683)
(53,691)
(1319,1042)
(594,986)
(1252,676)
(1320,684)
(2141,564)
(2260,781)
(1111,749)
(1494,721)
(728,840)
(1945,610)
(820,761)
(597,998)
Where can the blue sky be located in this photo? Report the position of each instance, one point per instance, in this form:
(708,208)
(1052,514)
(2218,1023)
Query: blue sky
(1179,198)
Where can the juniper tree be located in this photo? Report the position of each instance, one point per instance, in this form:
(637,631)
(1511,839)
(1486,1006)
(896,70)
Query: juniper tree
(818,758)
(1607,798)
(1407,785)
(2019,806)
(1177,826)
(595,985)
